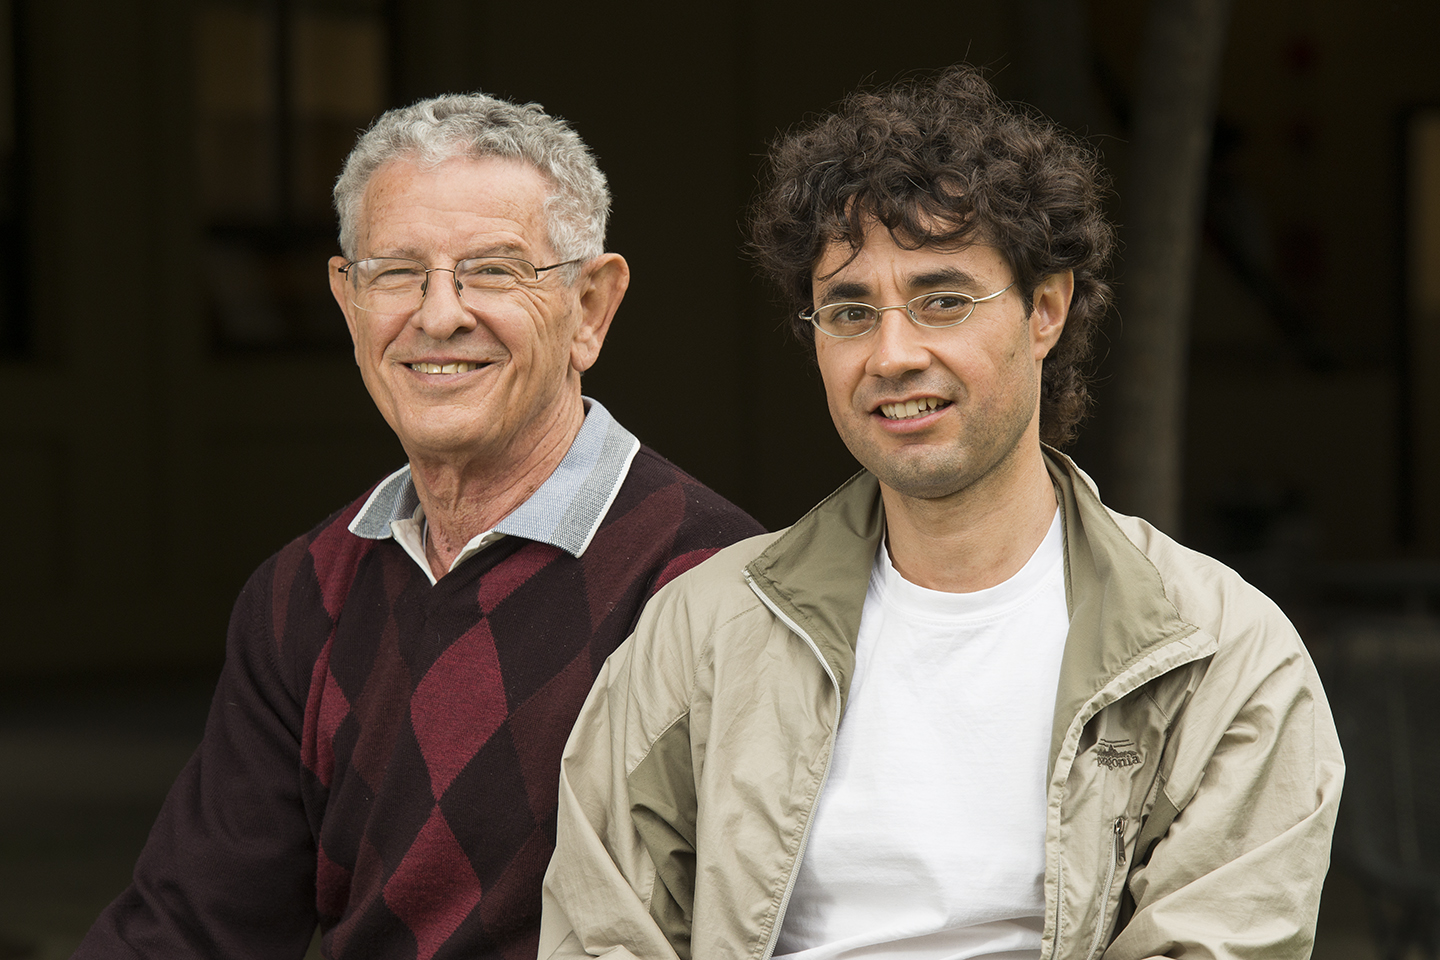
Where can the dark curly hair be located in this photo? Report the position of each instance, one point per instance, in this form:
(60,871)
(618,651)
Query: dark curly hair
(944,161)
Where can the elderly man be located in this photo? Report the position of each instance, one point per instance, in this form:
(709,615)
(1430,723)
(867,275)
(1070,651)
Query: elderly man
(382,752)
(960,709)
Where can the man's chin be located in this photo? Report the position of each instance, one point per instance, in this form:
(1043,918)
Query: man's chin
(433,442)
(909,470)
(923,486)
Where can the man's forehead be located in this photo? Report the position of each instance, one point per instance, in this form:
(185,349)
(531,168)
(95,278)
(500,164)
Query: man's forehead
(503,194)
(844,267)
(508,180)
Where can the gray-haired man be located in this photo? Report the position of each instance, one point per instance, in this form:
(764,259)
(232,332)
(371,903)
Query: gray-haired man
(382,752)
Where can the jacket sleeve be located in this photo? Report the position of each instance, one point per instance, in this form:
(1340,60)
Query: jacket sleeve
(621,882)
(1250,802)
(229,867)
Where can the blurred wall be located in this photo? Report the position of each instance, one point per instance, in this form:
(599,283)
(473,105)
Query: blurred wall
(150,462)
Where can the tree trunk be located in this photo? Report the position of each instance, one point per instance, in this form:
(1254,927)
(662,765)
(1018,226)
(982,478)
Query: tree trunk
(1177,86)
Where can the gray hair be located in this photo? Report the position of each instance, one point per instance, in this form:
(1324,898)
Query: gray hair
(477,126)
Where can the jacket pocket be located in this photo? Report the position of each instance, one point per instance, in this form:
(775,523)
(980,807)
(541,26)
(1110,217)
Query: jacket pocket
(1104,913)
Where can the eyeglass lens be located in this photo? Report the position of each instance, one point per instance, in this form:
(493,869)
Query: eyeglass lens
(393,285)
(940,309)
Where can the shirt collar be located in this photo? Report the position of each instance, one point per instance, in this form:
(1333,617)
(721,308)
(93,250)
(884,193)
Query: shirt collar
(564,512)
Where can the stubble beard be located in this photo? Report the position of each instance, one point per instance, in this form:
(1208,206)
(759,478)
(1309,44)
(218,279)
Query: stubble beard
(975,462)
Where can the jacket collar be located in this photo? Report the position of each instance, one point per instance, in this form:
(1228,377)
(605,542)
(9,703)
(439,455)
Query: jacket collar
(817,572)
(1120,613)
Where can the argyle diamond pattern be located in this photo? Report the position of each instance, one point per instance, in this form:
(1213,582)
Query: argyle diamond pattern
(383,753)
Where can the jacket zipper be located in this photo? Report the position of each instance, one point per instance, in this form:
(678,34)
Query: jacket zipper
(1118,829)
(825,775)
(1148,673)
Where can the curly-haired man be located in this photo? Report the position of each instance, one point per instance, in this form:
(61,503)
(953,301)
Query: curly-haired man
(960,709)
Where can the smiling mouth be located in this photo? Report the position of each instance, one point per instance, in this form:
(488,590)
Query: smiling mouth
(911,408)
(444,367)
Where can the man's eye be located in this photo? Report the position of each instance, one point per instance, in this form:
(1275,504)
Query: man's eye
(945,303)
(397,276)
(489,271)
(851,315)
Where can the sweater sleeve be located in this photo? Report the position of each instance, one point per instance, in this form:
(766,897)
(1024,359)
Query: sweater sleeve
(229,867)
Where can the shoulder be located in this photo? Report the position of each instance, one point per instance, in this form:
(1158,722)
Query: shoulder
(303,586)
(650,473)
(1204,590)
(724,572)
(1255,703)
(328,547)
(1257,670)
(669,514)
(701,601)
(707,614)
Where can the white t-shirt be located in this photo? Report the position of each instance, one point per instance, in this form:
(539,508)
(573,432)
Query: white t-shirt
(929,838)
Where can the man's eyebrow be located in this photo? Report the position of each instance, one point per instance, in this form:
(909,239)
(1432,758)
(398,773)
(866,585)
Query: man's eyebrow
(499,250)
(844,290)
(403,253)
(494,250)
(952,278)
(948,278)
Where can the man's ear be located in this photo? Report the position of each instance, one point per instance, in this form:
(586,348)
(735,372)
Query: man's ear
(1048,311)
(602,287)
(339,289)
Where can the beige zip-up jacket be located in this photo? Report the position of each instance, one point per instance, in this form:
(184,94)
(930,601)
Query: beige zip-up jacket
(1194,769)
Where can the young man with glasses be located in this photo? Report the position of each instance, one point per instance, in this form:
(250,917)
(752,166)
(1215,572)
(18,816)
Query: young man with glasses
(960,709)
(382,752)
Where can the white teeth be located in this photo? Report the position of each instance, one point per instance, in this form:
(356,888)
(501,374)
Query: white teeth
(910,408)
(444,368)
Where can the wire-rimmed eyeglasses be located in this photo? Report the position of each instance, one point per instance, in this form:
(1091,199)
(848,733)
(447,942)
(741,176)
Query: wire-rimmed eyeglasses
(398,284)
(943,308)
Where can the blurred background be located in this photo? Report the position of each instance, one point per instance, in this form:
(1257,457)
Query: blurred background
(181,400)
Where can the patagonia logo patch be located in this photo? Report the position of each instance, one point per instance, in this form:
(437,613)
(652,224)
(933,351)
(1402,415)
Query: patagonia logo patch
(1116,753)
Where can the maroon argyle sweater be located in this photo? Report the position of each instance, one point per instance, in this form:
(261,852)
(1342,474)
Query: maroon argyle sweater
(382,754)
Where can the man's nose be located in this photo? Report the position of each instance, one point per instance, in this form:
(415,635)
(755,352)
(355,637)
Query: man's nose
(896,347)
(442,312)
